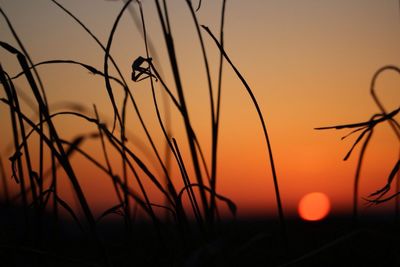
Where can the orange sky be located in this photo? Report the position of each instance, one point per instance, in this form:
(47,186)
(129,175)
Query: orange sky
(309,64)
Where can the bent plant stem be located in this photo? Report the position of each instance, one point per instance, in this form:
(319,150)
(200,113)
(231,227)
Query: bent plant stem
(392,124)
(376,99)
(231,205)
(271,159)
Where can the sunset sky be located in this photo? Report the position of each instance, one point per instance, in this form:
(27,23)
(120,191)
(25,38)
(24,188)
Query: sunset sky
(309,63)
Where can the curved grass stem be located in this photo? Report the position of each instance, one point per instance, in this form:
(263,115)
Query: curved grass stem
(262,121)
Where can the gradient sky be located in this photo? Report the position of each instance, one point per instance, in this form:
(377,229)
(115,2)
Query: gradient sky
(309,64)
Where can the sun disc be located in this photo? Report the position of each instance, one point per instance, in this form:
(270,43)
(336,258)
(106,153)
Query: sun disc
(314,206)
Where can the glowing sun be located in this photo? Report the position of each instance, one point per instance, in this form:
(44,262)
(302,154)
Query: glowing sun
(314,206)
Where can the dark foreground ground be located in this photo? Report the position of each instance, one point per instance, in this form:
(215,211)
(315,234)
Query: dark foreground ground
(333,242)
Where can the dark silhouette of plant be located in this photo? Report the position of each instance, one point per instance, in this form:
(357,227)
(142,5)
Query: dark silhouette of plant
(39,188)
(367,129)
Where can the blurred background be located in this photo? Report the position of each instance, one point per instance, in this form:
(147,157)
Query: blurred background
(309,63)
